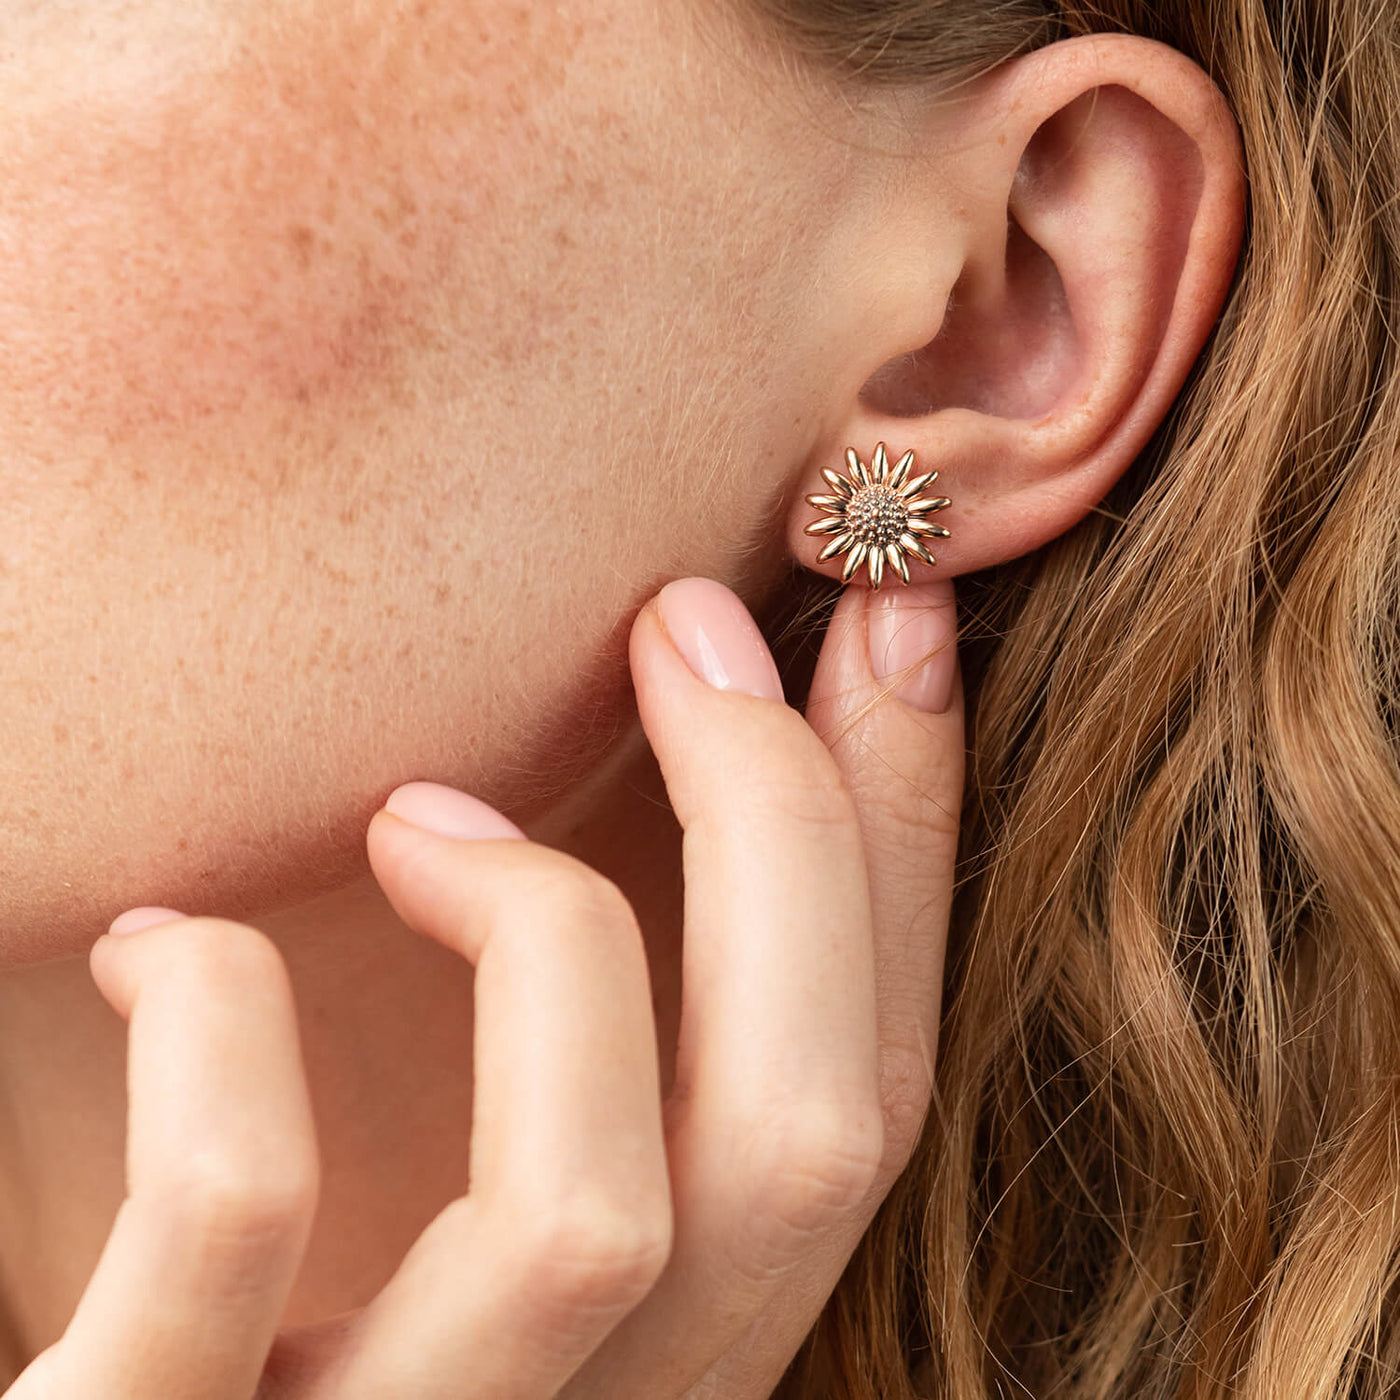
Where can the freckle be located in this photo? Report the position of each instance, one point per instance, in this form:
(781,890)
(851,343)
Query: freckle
(182,844)
(441,593)
(1001,140)
(303,243)
(61,734)
(97,746)
(349,515)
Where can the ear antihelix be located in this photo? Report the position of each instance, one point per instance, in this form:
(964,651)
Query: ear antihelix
(876,516)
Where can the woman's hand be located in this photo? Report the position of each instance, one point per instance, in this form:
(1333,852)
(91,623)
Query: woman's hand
(610,1245)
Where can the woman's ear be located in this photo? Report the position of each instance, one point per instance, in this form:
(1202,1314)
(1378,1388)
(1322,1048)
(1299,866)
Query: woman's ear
(1026,318)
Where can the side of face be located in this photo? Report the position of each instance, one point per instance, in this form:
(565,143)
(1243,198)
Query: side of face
(366,366)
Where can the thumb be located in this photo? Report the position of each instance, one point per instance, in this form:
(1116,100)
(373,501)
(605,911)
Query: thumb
(902,759)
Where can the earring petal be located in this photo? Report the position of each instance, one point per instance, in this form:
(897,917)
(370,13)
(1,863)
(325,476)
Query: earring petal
(853,561)
(896,557)
(838,483)
(834,547)
(830,526)
(916,548)
(901,471)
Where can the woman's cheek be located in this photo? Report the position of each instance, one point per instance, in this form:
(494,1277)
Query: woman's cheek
(159,267)
(273,223)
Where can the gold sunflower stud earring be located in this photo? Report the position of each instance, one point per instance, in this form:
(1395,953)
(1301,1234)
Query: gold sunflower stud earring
(877,514)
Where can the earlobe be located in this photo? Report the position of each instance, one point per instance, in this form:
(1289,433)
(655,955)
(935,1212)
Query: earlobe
(1097,249)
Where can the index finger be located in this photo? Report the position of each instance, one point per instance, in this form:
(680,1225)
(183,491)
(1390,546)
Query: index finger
(773,1121)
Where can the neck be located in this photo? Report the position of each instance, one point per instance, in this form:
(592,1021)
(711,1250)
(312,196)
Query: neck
(386,1029)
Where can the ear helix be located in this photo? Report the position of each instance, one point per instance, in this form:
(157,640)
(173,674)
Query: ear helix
(876,516)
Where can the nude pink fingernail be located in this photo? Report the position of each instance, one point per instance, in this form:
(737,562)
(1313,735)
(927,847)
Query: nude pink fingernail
(915,626)
(450,812)
(721,643)
(147,916)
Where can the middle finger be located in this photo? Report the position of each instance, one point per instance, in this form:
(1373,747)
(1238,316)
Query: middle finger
(567,1221)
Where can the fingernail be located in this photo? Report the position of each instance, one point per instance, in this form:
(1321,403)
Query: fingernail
(915,626)
(147,916)
(712,629)
(449,812)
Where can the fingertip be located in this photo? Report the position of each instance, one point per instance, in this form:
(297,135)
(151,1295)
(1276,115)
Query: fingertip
(116,974)
(145,916)
(714,632)
(647,635)
(448,811)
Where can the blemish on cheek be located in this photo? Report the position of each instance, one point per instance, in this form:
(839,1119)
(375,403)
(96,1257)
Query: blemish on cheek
(303,245)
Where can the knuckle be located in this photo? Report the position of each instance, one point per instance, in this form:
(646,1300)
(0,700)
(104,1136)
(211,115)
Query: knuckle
(916,812)
(906,1093)
(592,1250)
(814,1166)
(222,1200)
(809,793)
(576,888)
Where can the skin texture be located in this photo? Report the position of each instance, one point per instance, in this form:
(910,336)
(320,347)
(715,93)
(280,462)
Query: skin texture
(305,318)
(368,366)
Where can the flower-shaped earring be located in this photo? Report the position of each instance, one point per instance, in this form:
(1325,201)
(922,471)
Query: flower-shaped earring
(877,515)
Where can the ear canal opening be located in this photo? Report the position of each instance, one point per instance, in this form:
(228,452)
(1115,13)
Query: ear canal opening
(1011,360)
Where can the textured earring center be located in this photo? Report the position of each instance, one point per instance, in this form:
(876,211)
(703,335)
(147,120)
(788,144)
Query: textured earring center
(876,515)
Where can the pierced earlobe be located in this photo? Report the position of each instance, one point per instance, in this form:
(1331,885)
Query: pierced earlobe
(877,514)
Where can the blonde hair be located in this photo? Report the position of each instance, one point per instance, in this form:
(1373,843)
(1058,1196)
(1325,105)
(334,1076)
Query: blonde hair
(1164,1155)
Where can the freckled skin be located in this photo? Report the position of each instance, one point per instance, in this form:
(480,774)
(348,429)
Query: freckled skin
(364,365)
(358,361)
(254,234)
